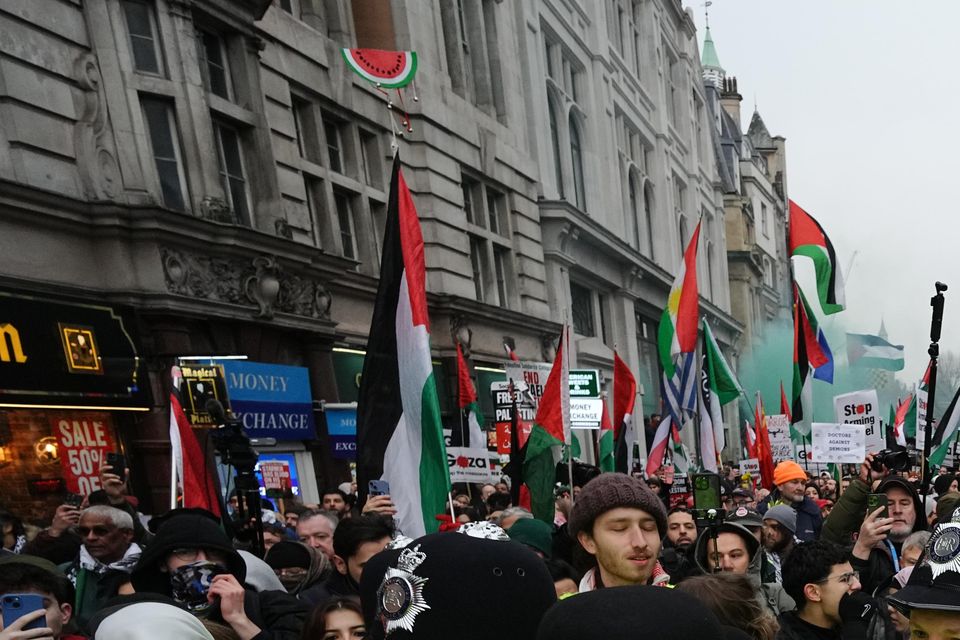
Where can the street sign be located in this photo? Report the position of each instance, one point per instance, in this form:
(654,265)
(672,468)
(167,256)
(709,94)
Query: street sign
(584,383)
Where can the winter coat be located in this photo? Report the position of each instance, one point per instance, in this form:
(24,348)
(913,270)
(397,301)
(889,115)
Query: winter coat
(678,564)
(845,520)
(809,520)
(771,595)
(793,628)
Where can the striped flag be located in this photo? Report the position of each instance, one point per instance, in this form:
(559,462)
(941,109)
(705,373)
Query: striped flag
(399,433)
(902,418)
(722,385)
(469,408)
(677,333)
(659,447)
(510,352)
(188,461)
(751,439)
(946,433)
(808,351)
(873,352)
(551,429)
(807,238)
(624,401)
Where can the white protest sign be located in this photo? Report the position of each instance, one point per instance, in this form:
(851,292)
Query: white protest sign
(862,408)
(844,443)
(469,464)
(751,466)
(778,428)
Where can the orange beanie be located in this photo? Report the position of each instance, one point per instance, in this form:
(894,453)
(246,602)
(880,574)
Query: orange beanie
(788,470)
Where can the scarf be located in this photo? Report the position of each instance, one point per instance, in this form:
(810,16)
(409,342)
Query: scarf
(124,564)
(591,580)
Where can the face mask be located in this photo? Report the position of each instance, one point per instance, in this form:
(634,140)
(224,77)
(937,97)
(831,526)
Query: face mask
(191,582)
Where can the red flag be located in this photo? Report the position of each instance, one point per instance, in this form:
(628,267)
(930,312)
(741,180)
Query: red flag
(190,463)
(467,394)
(510,352)
(784,403)
(764,451)
(751,439)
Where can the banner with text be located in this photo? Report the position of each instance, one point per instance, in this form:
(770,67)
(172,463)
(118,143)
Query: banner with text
(843,443)
(778,428)
(342,430)
(84,440)
(861,408)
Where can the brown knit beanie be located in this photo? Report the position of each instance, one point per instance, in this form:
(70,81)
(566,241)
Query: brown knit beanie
(609,491)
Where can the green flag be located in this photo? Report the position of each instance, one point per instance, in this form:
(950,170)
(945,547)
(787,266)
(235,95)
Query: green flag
(723,383)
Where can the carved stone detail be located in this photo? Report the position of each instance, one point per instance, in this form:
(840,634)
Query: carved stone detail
(461,333)
(548,346)
(216,209)
(283,228)
(92,141)
(261,282)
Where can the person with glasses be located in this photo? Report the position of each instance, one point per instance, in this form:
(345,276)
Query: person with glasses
(826,589)
(101,569)
(193,561)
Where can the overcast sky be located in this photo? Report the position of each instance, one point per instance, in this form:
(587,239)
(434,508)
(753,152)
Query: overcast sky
(865,92)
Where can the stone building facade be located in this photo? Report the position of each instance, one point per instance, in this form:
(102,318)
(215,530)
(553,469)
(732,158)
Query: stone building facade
(212,171)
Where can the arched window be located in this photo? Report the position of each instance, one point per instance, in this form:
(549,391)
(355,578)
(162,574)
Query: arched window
(648,211)
(633,224)
(576,152)
(555,144)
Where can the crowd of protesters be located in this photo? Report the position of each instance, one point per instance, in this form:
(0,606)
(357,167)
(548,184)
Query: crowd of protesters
(623,558)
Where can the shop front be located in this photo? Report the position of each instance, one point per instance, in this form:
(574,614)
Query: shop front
(70,392)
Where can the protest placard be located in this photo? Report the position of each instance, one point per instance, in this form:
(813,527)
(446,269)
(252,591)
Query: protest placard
(863,408)
(778,428)
(844,443)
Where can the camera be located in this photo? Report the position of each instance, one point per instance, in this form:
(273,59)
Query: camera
(896,459)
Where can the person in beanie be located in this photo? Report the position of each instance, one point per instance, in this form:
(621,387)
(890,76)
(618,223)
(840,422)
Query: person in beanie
(301,569)
(619,521)
(790,480)
(456,585)
(779,527)
(535,534)
(192,560)
(630,613)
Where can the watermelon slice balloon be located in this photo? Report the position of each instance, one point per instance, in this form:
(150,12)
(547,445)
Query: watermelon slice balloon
(387,69)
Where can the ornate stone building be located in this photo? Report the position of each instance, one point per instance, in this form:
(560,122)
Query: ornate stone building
(209,171)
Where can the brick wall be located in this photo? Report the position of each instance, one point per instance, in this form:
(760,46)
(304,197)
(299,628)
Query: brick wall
(26,427)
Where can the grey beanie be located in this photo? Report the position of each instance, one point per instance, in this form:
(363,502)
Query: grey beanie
(610,491)
(783,514)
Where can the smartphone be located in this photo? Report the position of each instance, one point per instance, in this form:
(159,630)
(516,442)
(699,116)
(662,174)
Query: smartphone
(875,501)
(706,491)
(378,488)
(17,605)
(73,499)
(119,465)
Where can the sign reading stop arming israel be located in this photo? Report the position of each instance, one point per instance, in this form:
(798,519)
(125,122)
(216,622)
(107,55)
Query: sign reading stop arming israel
(863,408)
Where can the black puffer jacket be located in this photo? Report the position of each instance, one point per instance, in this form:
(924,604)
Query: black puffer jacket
(278,614)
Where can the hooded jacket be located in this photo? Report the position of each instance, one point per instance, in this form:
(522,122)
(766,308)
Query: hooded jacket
(809,518)
(279,615)
(771,595)
(845,520)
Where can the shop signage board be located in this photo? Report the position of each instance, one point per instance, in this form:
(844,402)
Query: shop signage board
(586,413)
(84,440)
(271,400)
(54,353)
(202,383)
(342,430)
(584,383)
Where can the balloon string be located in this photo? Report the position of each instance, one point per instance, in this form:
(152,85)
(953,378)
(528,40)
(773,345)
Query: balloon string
(406,116)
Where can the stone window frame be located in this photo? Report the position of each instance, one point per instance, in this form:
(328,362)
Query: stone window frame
(169,105)
(569,116)
(491,250)
(471,47)
(156,37)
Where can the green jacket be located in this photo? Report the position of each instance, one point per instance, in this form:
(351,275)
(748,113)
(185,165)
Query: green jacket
(847,514)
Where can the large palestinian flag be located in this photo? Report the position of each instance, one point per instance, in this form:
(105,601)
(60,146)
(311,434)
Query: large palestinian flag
(399,434)
(807,238)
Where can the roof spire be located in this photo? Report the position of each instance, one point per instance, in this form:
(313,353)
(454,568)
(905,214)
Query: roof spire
(712,71)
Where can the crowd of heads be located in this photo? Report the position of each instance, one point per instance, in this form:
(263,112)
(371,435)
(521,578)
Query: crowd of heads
(773,564)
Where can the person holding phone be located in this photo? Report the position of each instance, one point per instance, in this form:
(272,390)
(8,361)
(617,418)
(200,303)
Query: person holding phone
(44,597)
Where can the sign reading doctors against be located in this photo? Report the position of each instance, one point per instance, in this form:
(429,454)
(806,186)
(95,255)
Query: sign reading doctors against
(862,408)
(842,443)
(271,400)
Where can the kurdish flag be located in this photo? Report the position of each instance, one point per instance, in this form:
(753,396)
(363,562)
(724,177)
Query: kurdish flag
(399,434)
(865,350)
(807,238)
(472,436)
(624,400)
(946,433)
(551,429)
(678,324)
(606,447)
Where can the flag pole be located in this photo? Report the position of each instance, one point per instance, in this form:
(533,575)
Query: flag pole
(565,337)
(173,477)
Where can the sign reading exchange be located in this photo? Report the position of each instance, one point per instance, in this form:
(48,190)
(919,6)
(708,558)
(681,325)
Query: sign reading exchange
(272,400)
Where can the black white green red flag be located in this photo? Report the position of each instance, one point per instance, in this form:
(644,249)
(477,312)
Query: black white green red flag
(807,238)
(189,468)
(624,400)
(808,351)
(399,433)
(469,433)
(946,433)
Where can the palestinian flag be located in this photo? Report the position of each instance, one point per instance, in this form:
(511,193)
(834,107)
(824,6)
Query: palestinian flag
(902,418)
(807,238)
(658,449)
(551,429)
(624,401)
(873,352)
(946,433)
(677,334)
(807,351)
(188,460)
(751,439)
(399,434)
(606,446)
(471,417)
(915,428)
